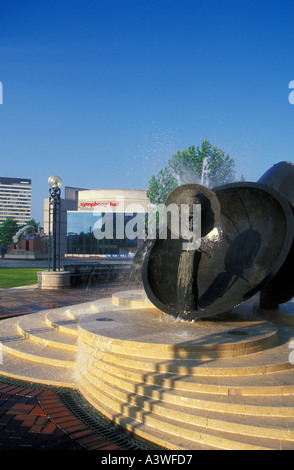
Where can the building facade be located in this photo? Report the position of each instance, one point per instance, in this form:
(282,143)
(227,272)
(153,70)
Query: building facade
(100,222)
(15,199)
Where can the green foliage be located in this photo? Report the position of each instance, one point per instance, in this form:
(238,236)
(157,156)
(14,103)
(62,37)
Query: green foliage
(186,166)
(161,186)
(7,230)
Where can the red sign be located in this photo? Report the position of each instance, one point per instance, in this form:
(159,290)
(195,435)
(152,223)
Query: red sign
(99,204)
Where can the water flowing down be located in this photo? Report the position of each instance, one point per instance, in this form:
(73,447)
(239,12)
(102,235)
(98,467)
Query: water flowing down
(185,289)
(205,173)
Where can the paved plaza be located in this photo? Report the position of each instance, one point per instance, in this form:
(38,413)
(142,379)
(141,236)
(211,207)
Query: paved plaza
(21,301)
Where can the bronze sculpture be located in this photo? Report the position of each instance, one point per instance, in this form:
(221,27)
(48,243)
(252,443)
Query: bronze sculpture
(246,242)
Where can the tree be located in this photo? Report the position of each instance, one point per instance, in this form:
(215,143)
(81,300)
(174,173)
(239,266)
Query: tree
(7,230)
(206,165)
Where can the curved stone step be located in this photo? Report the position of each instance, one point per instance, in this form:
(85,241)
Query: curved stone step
(163,439)
(280,406)
(135,298)
(261,384)
(41,354)
(248,425)
(115,302)
(63,321)
(34,327)
(193,435)
(103,305)
(75,311)
(17,345)
(264,362)
(32,372)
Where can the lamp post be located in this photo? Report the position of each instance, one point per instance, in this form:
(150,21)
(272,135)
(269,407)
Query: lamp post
(55,183)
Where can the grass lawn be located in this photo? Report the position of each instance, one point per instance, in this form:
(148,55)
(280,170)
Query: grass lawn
(15,277)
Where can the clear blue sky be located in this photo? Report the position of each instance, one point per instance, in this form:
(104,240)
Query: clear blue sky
(103,92)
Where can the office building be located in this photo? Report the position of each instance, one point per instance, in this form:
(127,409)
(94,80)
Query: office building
(15,199)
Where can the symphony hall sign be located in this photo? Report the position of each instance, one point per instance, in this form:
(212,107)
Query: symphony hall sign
(99,204)
(112,200)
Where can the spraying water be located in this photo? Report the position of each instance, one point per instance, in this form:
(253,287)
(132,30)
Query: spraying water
(205,173)
(175,175)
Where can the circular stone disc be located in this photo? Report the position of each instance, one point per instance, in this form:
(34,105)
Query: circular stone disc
(239,256)
(146,333)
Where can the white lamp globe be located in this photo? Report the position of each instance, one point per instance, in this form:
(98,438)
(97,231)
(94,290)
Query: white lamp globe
(55,181)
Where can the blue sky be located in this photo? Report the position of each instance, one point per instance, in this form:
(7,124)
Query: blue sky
(103,92)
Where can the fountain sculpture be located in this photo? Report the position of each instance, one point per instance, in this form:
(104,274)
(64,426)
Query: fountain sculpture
(246,247)
(199,357)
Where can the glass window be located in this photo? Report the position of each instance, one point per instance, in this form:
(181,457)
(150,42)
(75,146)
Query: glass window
(99,233)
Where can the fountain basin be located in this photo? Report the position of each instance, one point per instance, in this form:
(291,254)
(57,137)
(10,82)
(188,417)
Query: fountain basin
(149,333)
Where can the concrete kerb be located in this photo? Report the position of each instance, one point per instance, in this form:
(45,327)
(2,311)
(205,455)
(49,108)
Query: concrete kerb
(29,287)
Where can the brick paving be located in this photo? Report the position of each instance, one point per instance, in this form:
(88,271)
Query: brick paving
(15,302)
(35,419)
(32,419)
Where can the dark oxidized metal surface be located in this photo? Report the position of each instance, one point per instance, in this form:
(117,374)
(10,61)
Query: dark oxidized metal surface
(239,256)
(281,177)
(281,288)
(197,194)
